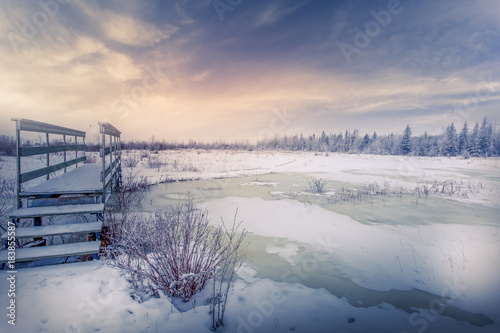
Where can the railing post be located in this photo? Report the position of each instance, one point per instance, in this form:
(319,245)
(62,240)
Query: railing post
(103,158)
(18,164)
(64,154)
(114,161)
(76,149)
(48,154)
(120,165)
(111,162)
(84,148)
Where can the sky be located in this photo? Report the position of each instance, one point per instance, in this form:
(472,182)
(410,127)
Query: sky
(249,69)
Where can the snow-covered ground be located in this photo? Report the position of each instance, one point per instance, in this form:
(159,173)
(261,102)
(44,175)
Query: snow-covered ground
(334,273)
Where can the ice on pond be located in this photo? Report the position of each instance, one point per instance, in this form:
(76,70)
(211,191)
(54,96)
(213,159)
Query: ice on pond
(397,249)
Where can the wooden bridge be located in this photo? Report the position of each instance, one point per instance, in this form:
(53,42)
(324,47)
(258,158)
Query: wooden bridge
(79,189)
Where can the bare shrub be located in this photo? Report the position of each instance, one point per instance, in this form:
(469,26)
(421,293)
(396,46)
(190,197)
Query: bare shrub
(349,194)
(155,162)
(7,202)
(176,165)
(316,185)
(224,273)
(175,250)
(8,145)
(131,161)
(190,168)
(127,197)
(130,192)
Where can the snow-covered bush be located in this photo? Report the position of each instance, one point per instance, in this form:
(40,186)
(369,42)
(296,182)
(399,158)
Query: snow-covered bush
(175,250)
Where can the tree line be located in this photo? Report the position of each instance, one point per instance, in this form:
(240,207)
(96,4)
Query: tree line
(480,140)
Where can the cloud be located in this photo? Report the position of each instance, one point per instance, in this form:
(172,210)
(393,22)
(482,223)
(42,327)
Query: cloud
(126,29)
(277,11)
(223,79)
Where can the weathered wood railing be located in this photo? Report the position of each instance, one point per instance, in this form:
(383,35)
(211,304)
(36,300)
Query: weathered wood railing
(79,191)
(47,150)
(111,158)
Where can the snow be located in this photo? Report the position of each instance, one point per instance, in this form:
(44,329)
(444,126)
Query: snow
(349,168)
(102,302)
(52,230)
(457,263)
(84,179)
(272,184)
(407,171)
(52,251)
(57,210)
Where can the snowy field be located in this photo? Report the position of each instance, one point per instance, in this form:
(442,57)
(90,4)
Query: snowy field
(316,266)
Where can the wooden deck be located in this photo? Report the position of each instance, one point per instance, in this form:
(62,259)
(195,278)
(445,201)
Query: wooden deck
(82,189)
(83,180)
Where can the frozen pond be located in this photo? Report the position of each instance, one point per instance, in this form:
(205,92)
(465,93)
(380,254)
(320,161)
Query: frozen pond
(388,209)
(284,259)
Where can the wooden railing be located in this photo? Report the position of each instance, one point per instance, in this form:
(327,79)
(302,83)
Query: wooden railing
(111,158)
(64,147)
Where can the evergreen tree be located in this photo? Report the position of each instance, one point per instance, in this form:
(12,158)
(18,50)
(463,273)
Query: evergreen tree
(347,140)
(496,143)
(389,145)
(463,139)
(475,147)
(405,145)
(451,141)
(485,137)
(364,143)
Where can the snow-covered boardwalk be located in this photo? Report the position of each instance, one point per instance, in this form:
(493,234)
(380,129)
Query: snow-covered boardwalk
(81,189)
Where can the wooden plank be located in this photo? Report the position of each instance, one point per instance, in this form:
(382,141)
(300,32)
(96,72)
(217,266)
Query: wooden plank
(41,201)
(53,251)
(81,180)
(56,210)
(108,129)
(27,176)
(108,150)
(56,230)
(36,126)
(107,171)
(30,151)
(110,167)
